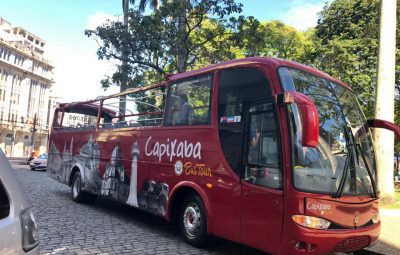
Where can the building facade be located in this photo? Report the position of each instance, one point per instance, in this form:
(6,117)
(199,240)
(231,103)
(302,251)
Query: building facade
(26,83)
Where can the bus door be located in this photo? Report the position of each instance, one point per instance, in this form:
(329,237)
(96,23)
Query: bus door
(261,179)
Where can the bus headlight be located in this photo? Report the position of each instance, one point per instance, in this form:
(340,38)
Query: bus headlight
(311,222)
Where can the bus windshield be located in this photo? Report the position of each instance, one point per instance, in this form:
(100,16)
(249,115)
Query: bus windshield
(341,164)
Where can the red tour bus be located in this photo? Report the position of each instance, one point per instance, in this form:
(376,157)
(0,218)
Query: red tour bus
(264,152)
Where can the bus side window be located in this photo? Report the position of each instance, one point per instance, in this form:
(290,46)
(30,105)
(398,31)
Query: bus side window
(188,102)
(140,109)
(80,117)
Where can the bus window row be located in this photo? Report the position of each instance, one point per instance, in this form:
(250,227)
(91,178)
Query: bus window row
(187,103)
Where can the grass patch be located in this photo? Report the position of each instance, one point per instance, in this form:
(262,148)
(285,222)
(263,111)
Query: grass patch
(395,205)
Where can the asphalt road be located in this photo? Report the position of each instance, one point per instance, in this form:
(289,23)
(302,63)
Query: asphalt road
(107,227)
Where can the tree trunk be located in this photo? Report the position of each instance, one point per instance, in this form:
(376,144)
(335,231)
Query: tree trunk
(182,54)
(384,108)
(123,86)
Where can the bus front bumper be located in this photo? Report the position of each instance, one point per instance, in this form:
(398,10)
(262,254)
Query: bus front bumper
(312,241)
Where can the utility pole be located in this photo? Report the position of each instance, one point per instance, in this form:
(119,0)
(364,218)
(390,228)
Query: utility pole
(384,108)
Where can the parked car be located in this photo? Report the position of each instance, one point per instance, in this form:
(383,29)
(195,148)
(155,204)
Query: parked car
(18,229)
(39,163)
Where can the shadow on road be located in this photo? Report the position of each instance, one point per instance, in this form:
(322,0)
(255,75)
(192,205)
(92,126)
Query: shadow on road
(155,223)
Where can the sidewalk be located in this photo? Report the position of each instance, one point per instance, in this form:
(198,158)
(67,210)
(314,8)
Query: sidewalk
(389,240)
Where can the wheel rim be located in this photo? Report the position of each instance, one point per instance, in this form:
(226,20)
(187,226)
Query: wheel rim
(76,187)
(192,219)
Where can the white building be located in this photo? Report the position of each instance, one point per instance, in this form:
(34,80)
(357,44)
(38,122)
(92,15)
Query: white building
(25,91)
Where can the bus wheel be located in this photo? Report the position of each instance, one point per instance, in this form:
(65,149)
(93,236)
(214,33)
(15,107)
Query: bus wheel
(78,195)
(193,221)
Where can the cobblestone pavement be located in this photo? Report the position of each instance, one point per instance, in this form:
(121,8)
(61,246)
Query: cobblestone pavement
(103,227)
(107,227)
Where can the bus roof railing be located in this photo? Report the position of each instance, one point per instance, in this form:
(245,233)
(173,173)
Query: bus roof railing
(102,98)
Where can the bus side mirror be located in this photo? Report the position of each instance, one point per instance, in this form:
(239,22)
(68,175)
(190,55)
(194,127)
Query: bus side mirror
(308,115)
(377,123)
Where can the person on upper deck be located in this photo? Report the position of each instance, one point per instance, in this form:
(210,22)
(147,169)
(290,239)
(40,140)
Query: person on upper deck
(185,111)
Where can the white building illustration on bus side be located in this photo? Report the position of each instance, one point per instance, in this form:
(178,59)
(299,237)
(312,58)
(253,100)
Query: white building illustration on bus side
(115,183)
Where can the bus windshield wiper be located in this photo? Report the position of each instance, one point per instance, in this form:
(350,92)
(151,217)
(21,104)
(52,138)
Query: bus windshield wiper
(347,165)
(350,165)
(374,189)
(344,175)
(359,150)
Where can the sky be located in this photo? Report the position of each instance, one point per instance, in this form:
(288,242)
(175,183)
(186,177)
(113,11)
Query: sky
(78,72)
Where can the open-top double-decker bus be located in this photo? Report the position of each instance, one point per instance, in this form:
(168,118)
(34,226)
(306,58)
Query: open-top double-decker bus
(265,152)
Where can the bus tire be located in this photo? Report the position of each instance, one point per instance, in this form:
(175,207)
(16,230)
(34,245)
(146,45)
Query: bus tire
(193,221)
(78,195)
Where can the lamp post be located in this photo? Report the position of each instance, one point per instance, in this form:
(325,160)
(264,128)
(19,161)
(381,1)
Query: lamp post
(33,133)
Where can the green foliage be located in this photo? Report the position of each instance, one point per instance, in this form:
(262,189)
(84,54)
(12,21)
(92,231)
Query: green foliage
(143,41)
(284,41)
(249,37)
(273,39)
(211,50)
(347,38)
(154,42)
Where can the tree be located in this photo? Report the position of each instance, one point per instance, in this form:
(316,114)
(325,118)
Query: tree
(273,38)
(249,36)
(347,37)
(347,45)
(125,51)
(155,41)
(124,56)
(284,41)
(221,48)
(153,4)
